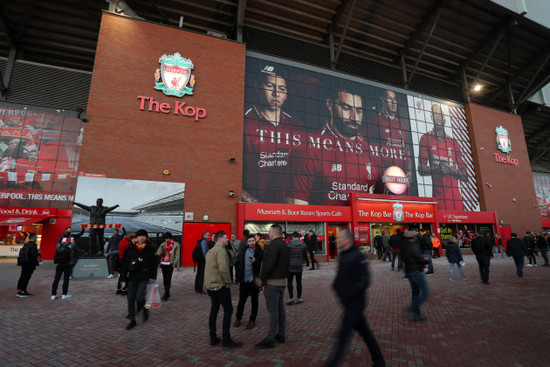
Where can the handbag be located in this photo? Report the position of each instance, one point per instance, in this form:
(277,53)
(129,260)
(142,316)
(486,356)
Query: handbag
(153,297)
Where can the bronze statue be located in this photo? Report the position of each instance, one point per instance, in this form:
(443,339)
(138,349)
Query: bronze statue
(97,216)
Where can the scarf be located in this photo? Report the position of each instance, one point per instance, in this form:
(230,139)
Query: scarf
(168,252)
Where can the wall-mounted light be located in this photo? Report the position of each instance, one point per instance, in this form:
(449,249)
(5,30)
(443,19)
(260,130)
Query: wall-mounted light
(482,148)
(514,200)
(488,184)
(166,172)
(205,217)
(231,193)
(232,160)
(478,87)
(501,222)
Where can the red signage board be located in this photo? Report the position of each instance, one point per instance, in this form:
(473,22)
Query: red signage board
(297,213)
(458,216)
(27,212)
(395,212)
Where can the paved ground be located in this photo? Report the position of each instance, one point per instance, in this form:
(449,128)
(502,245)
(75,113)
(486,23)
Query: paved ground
(505,323)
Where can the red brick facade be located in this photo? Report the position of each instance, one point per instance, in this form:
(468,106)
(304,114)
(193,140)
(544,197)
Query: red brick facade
(503,187)
(123,141)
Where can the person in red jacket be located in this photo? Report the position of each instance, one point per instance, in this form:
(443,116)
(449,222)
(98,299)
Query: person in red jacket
(122,246)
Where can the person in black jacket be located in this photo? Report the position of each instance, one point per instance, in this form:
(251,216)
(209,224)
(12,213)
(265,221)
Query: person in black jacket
(483,250)
(414,262)
(517,249)
(530,245)
(427,248)
(350,285)
(395,244)
(455,257)
(27,267)
(247,268)
(543,247)
(138,268)
(311,243)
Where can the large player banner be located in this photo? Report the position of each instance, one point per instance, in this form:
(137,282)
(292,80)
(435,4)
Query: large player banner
(313,138)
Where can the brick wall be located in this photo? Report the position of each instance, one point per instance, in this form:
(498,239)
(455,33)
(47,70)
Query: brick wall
(508,181)
(122,141)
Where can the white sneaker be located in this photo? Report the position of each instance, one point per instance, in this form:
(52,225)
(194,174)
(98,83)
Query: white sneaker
(531,265)
(66,296)
(52,298)
(111,276)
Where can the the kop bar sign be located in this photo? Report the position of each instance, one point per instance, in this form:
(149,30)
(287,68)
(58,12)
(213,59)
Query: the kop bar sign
(174,77)
(504,145)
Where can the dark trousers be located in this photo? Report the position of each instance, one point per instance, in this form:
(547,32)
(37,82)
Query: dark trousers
(66,271)
(231,273)
(112,263)
(25,277)
(379,252)
(247,289)
(531,256)
(354,319)
(387,254)
(396,254)
(313,261)
(298,276)
(97,241)
(332,250)
(519,260)
(419,288)
(484,262)
(136,295)
(544,254)
(199,278)
(167,271)
(220,297)
(274,302)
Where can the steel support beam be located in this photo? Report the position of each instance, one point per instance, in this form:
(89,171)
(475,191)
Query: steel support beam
(336,18)
(331,48)
(160,12)
(343,35)
(464,85)
(488,57)
(540,154)
(5,27)
(423,49)
(528,91)
(241,8)
(403,67)
(7,76)
(543,133)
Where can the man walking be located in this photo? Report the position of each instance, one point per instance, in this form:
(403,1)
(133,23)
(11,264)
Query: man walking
(112,250)
(247,268)
(414,262)
(426,245)
(350,285)
(387,247)
(28,260)
(483,251)
(378,245)
(199,277)
(543,247)
(530,244)
(311,243)
(273,276)
(499,246)
(395,244)
(217,282)
(297,255)
(517,249)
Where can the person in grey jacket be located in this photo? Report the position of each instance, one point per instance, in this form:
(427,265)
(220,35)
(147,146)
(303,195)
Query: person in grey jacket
(298,252)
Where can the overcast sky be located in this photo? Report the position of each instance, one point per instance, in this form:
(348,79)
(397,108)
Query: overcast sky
(126,193)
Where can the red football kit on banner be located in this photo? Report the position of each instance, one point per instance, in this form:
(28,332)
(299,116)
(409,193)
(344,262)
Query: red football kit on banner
(266,154)
(327,167)
(434,151)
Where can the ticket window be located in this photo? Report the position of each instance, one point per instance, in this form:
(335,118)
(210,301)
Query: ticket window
(289,227)
(13,234)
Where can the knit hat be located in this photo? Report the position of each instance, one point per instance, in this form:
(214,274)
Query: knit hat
(453,239)
(141,232)
(410,234)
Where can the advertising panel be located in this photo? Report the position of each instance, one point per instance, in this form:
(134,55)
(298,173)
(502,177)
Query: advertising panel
(311,137)
(542,190)
(39,158)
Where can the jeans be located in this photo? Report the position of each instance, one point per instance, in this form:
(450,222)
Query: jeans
(531,255)
(420,291)
(274,302)
(313,261)
(544,254)
(199,278)
(396,254)
(247,289)
(354,319)
(484,262)
(459,269)
(112,263)
(430,264)
(64,269)
(387,254)
(136,294)
(519,260)
(167,271)
(220,297)
(497,248)
(25,277)
(298,276)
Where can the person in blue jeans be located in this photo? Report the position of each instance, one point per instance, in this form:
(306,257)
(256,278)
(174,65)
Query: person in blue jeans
(517,249)
(455,257)
(414,262)
(395,244)
(499,246)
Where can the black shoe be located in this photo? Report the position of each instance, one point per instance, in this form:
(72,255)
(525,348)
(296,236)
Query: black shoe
(265,344)
(486,282)
(165,298)
(280,338)
(419,317)
(214,341)
(231,344)
(311,269)
(118,291)
(145,314)
(131,325)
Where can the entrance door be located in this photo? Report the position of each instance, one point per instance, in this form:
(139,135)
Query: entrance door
(332,230)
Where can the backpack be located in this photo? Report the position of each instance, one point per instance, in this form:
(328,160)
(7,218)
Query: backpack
(63,253)
(197,253)
(24,255)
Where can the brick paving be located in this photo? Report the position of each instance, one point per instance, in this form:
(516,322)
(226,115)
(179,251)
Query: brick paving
(505,323)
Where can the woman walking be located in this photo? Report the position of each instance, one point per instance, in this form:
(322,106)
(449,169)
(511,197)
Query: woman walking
(455,257)
(169,252)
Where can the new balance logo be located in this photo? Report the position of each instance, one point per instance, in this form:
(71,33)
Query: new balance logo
(336,168)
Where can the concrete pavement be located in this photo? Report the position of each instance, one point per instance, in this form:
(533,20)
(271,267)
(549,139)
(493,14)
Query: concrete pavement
(505,323)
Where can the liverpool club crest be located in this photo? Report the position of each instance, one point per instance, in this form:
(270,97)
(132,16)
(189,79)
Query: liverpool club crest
(398,214)
(174,76)
(503,140)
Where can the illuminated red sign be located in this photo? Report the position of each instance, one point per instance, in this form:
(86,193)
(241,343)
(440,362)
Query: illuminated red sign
(179,108)
(506,160)
(457,216)
(301,213)
(375,211)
